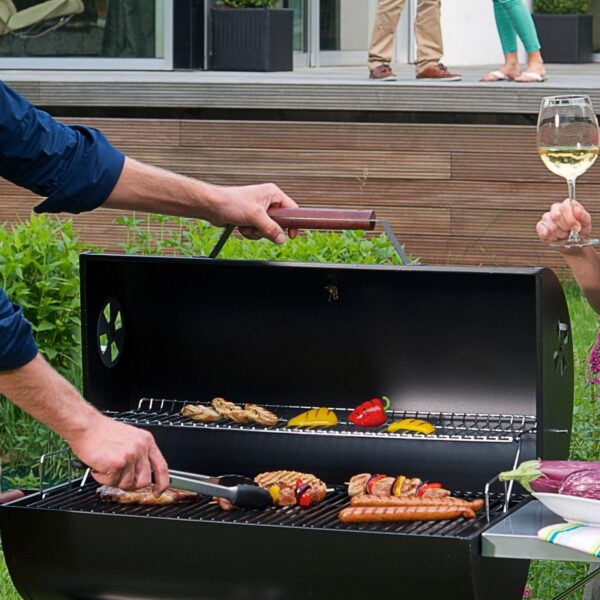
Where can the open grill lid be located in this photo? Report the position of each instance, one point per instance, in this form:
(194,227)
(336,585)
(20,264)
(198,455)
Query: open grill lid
(433,339)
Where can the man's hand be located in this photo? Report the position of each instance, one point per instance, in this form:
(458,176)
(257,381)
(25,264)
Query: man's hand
(118,454)
(121,455)
(247,206)
(146,188)
(563,217)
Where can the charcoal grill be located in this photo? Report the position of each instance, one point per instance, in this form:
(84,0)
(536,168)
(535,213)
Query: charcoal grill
(483,353)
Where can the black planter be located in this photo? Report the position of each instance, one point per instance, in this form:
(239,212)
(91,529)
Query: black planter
(565,38)
(252,39)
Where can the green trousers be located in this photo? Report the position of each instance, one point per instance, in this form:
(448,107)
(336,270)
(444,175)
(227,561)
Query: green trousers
(514,19)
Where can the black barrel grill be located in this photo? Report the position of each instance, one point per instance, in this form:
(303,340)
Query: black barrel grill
(484,354)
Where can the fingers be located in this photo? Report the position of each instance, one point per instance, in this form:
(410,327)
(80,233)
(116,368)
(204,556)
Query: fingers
(160,468)
(563,218)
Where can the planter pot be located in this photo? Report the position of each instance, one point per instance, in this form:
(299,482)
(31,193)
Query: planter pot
(252,39)
(565,38)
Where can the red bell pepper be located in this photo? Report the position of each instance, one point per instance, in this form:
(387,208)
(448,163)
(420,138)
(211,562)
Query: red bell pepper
(428,486)
(370,413)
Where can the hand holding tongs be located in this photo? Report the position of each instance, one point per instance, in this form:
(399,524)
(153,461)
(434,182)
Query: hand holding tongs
(242,495)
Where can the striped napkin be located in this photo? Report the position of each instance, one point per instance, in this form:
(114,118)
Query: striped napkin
(579,537)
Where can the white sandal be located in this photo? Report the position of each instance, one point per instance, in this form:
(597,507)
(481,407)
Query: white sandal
(532,77)
(499,76)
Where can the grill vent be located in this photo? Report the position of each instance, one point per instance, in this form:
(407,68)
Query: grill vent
(110,332)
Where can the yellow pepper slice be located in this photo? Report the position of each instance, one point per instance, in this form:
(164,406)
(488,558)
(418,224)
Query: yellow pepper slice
(397,487)
(417,425)
(317,417)
(274,491)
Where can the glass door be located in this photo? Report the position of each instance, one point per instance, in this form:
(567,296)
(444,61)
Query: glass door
(108,34)
(345,28)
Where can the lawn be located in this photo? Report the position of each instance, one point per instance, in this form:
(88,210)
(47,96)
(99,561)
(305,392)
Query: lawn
(546,579)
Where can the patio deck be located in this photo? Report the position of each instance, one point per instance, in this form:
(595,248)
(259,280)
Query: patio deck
(324,89)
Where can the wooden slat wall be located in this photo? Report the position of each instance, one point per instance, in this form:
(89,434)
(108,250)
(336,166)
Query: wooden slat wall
(453,193)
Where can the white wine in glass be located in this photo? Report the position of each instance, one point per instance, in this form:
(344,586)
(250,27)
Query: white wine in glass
(567,140)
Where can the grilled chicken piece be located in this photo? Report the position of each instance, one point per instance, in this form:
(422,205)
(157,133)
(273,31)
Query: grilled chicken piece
(198,412)
(358,484)
(261,415)
(286,481)
(224,407)
(383,487)
(436,493)
(145,496)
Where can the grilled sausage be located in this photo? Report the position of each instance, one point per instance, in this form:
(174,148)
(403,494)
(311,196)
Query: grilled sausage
(363,514)
(374,501)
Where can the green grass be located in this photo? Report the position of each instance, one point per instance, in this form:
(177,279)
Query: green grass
(547,579)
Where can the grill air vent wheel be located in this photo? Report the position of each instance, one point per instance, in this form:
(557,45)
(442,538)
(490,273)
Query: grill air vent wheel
(111,332)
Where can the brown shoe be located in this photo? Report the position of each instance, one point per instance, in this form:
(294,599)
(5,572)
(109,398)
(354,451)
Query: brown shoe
(440,72)
(382,73)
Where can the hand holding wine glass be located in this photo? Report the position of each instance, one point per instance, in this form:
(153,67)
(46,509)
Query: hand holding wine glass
(567,139)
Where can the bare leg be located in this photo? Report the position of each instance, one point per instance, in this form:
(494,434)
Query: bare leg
(510,67)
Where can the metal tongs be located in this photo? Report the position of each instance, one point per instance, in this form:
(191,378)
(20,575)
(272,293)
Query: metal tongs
(240,493)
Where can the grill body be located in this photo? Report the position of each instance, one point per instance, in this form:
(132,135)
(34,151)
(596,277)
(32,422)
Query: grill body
(484,353)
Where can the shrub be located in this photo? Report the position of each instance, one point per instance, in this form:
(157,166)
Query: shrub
(561,7)
(250,3)
(39,270)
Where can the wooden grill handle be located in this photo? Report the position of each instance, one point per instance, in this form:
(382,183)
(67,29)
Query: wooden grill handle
(323,218)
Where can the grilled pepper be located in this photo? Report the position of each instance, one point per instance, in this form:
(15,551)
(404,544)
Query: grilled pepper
(417,425)
(317,417)
(397,487)
(303,497)
(427,486)
(370,413)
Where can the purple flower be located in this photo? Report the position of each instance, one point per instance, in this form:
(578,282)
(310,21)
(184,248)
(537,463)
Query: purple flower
(594,362)
(527,592)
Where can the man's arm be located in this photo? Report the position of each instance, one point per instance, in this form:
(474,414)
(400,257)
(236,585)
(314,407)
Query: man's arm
(150,189)
(584,263)
(118,454)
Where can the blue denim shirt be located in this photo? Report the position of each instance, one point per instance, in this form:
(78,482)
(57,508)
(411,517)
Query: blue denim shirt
(75,168)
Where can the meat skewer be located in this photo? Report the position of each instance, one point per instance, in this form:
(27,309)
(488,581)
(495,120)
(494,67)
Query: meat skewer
(364,514)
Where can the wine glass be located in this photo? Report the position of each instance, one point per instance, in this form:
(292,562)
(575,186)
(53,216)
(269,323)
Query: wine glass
(567,141)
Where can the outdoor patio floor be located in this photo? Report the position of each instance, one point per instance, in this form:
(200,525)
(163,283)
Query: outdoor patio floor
(325,88)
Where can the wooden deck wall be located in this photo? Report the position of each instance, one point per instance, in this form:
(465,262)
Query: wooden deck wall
(453,193)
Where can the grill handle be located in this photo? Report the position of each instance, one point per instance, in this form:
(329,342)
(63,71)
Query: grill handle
(323,218)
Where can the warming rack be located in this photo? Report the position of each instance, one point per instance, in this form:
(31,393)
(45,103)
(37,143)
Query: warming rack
(450,426)
(76,498)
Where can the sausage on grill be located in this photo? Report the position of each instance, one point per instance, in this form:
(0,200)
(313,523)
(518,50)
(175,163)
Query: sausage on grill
(374,501)
(363,514)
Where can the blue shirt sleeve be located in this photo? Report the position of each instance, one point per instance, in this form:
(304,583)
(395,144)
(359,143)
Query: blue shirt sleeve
(17,347)
(75,167)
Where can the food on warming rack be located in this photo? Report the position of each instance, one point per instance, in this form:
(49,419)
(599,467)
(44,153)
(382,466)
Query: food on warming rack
(382,485)
(317,417)
(200,413)
(146,496)
(416,425)
(370,413)
(223,409)
(375,501)
(261,415)
(288,488)
(366,514)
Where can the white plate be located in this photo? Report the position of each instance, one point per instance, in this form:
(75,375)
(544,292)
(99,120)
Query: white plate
(572,509)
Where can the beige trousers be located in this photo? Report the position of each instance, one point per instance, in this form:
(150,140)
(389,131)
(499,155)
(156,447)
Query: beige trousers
(428,33)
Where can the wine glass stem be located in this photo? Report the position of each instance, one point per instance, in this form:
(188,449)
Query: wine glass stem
(571,184)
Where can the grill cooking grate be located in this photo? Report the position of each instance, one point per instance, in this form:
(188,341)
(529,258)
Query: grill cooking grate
(450,426)
(321,516)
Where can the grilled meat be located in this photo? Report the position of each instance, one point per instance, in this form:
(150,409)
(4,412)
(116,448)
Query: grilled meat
(145,496)
(287,482)
(358,484)
(382,487)
(374,501)
(250,413)
(200,413)
(364,514)
(261,415)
